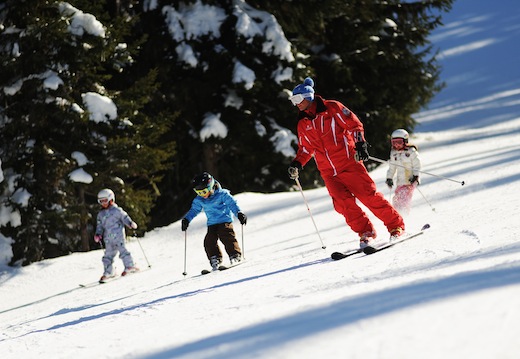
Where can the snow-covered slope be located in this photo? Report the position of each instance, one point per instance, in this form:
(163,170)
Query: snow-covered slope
(450,293)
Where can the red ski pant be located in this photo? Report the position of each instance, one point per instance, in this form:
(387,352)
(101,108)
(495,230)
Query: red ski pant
(354,183)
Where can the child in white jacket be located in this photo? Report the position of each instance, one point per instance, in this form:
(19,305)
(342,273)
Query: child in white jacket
(405,165)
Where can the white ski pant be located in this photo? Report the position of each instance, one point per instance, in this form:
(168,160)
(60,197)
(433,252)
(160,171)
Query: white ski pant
(111,249)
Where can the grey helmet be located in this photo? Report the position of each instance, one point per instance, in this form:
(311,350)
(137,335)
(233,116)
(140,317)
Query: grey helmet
(106,194)
(400,133)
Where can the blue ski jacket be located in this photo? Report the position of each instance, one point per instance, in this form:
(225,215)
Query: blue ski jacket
(219,207)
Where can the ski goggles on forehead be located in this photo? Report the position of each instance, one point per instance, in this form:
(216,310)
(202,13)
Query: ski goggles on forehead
(202,192)
(296,99)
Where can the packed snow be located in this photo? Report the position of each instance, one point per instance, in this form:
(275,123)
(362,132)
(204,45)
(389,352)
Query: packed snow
(450,293)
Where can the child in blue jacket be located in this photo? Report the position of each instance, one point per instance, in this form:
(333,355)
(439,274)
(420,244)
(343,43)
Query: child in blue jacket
(220,207)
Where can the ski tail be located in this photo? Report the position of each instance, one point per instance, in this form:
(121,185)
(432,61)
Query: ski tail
(224,267)
(425,227)
(374,249)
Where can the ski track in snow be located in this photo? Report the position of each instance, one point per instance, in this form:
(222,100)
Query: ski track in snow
(449,293)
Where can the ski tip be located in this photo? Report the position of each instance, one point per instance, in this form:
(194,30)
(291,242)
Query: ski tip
(340,255)
(369,250)
(336,255)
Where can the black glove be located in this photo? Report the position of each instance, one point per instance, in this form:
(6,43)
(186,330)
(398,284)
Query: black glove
(184,224)
(362,150)
(414,179)
(242,218)
(389,182)
(294,169)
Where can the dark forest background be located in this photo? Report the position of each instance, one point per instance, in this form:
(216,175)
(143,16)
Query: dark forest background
(374,56)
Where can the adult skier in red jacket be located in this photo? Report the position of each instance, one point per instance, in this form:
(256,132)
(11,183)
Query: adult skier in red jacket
(334,136)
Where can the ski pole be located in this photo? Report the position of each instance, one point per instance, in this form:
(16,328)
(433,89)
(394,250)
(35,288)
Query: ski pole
(426,199)
(243,249)
(138,241)
(431,174)
(309,210)
(185,251)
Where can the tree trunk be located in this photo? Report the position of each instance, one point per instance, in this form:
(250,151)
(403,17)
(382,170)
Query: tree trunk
(211,158)
(85,246)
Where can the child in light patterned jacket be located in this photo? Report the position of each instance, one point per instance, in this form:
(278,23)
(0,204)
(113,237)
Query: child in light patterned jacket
(110,226)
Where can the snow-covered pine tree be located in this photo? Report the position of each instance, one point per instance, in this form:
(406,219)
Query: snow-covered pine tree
(63,135)
(374,56)
(225,68)
(229,66)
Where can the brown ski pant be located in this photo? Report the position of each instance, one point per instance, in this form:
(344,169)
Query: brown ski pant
(226,234)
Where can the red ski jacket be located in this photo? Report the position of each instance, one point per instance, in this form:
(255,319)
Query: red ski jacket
(328,132)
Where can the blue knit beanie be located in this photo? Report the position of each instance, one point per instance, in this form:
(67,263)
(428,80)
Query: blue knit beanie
(306,89)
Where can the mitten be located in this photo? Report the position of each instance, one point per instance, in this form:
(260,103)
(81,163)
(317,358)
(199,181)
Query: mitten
(362,150)
(97,238)
(294,169)
(414,179)
(133,225)
(389,182)
(242,218)
(184,224)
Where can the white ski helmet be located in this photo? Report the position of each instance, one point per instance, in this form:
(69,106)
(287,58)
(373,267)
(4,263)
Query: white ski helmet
(400,133)
(107,194)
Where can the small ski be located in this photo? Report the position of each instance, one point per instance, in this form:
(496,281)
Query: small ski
(114,277)
(109,279)
(373,249)
(341,255)
(87,285)
(224,267)
(220,268)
